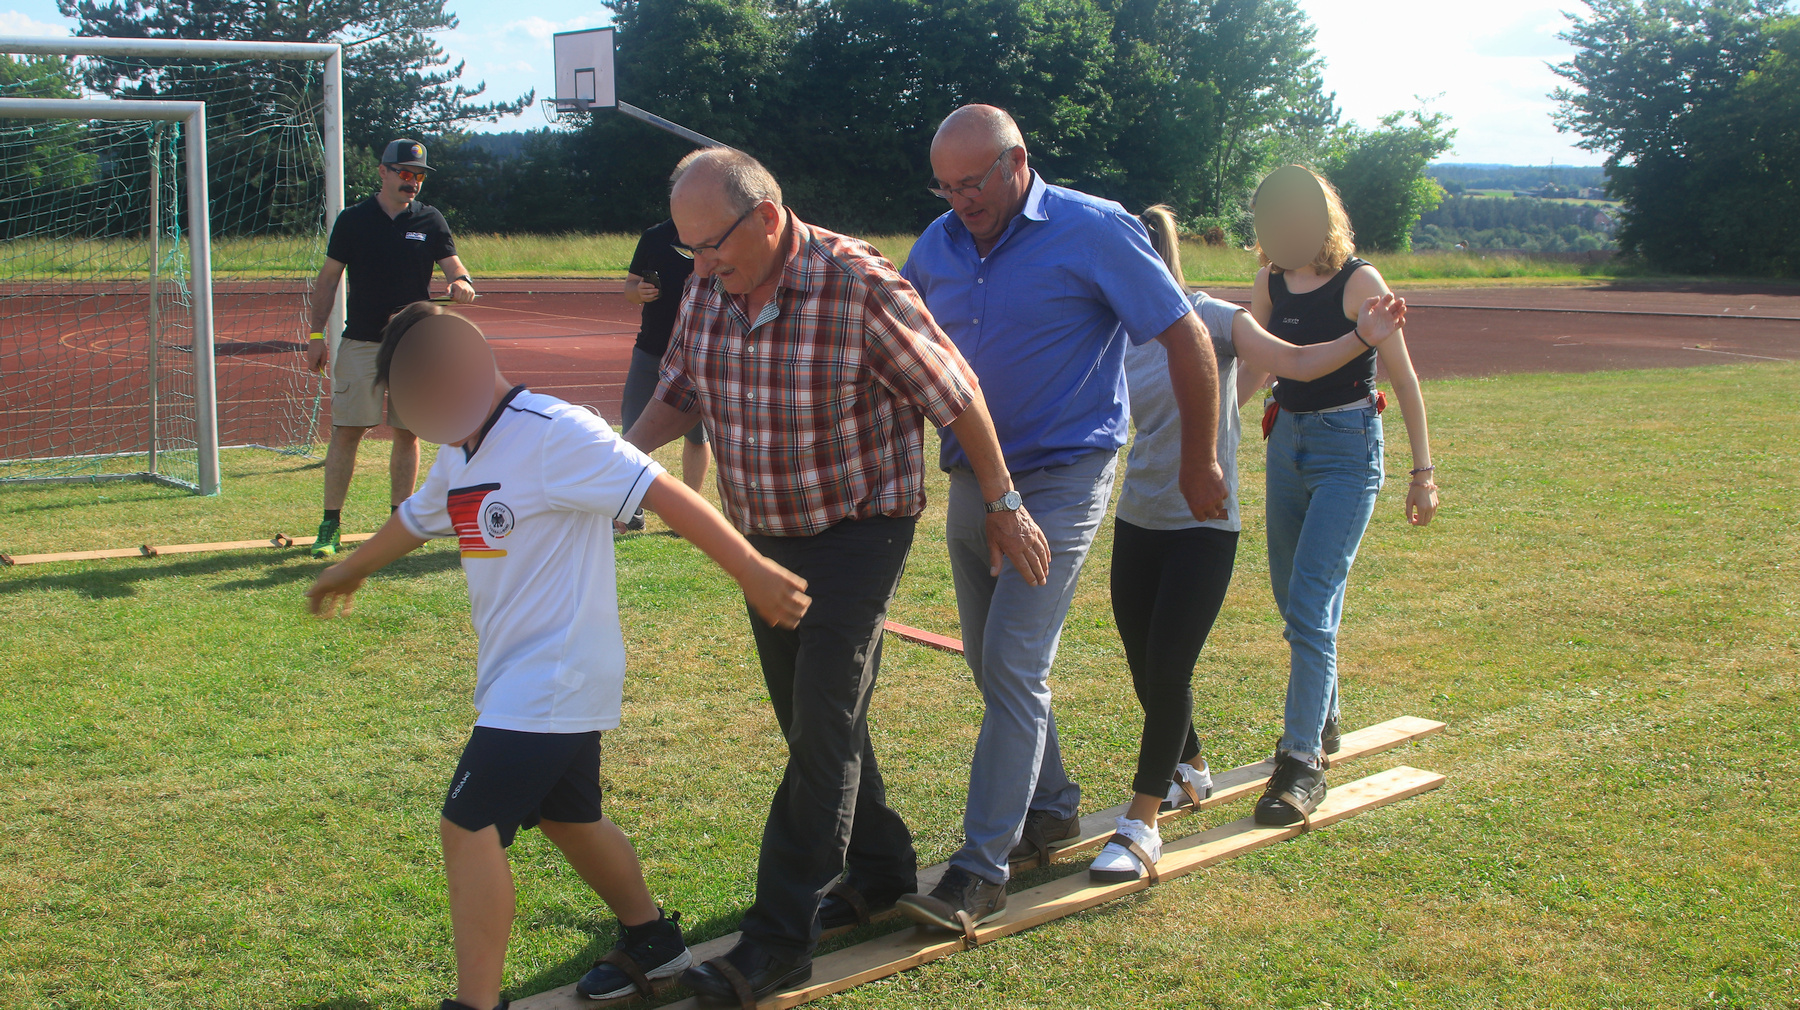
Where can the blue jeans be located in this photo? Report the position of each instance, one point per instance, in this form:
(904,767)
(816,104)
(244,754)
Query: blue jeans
(1324,471)
(1010,632)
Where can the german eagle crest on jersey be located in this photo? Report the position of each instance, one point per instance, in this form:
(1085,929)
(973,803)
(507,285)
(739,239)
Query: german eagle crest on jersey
(480,519)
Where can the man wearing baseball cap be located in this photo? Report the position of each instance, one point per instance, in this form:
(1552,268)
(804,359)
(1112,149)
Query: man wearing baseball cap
(388,243)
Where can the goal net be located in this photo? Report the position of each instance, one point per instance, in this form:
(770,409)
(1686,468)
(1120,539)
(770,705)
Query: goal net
(97,300)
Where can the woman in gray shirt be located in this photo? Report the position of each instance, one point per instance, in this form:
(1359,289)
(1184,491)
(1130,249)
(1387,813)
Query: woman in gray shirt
(1170,570)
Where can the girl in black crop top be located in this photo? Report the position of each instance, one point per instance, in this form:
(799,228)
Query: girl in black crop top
(1324,470)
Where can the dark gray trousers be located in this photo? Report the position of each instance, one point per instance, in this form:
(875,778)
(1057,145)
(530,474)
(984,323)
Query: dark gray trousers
(831,807)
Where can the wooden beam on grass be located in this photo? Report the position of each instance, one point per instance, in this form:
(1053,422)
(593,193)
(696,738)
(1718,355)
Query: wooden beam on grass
(907,949)
(158,550)
(1247,779)
(925,638)
(1095,829)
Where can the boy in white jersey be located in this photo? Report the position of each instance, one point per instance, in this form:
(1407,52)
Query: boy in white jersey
(531,486)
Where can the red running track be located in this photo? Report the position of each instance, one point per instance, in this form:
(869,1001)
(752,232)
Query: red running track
(73,372)
(573,339)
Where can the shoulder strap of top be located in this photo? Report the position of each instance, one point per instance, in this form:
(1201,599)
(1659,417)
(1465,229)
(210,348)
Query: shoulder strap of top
(1277,283)
(1340,282)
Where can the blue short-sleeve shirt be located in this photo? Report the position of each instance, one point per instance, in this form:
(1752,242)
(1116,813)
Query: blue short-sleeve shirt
(1042,319)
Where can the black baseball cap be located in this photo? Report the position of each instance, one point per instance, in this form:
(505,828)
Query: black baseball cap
(406,154)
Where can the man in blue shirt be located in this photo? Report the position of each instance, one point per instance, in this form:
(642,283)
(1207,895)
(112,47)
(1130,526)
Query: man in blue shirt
(1039,287)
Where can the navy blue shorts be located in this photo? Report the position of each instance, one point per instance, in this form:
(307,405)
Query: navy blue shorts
(512,780)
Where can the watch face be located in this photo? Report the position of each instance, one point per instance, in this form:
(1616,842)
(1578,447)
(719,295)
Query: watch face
(1012,500)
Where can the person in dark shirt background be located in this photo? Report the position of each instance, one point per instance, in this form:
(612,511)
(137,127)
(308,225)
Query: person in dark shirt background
(388,243)
(654,281)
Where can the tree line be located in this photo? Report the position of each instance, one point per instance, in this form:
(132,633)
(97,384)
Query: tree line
(1523,224)
(1696,104)
(1186,102)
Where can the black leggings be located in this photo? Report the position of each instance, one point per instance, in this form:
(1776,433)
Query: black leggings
(1167,588)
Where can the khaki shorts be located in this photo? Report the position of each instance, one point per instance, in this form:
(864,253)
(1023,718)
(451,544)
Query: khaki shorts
(356,400)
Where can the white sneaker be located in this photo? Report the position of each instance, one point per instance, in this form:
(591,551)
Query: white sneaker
(1116,863)
(1200,778)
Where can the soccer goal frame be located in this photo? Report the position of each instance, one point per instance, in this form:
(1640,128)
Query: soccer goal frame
(192,116)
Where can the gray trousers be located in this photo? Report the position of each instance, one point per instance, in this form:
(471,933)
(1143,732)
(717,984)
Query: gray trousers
(1010,632)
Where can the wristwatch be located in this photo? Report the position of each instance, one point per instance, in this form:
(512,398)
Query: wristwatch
(1008,502)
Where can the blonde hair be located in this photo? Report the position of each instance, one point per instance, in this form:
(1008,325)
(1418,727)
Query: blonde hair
(1165,238)
(1340,240)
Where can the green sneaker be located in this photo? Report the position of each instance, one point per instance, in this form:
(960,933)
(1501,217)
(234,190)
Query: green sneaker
(326,544)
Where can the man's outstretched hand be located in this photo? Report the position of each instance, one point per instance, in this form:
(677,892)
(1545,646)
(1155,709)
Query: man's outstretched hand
(1203,485)
(1015,536)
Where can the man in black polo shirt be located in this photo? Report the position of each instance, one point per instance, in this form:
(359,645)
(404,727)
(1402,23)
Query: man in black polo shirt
(388,242)
(654,280)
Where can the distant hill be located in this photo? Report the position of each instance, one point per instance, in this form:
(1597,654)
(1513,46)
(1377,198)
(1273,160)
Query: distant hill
(1524,178)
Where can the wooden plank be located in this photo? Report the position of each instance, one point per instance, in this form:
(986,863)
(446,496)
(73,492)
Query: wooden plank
(44,559)
(906,949)
(1228,785)
(227,545)
(348,538)
(1246,779)
(936,641)
(157,550)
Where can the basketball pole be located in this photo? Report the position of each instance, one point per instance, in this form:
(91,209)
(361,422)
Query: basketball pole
(663,124)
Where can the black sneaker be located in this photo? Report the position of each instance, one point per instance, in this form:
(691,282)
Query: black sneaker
(960,900)
(1294,792)
(745,974)
(1043,832)
(845,906)
(1331,740)
(644,955)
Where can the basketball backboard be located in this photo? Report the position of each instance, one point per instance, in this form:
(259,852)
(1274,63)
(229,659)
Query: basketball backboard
(584,70)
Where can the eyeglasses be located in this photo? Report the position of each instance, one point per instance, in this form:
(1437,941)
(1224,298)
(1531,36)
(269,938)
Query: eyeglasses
(406,174)
(691,251)
(968,192)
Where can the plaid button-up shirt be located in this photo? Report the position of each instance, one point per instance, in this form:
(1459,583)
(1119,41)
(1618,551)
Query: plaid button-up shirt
(817,410)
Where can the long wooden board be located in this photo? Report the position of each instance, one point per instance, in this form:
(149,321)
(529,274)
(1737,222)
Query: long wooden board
(906,949)
(1246,779)
(932,639)
(157,550)
(1095,829)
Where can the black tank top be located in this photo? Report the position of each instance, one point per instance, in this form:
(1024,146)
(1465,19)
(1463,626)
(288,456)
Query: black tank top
(1317,317)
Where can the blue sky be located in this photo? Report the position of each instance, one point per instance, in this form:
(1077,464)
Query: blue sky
(1484,66)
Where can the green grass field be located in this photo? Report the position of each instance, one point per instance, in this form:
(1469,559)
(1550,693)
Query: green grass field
(587,255)
(212,801)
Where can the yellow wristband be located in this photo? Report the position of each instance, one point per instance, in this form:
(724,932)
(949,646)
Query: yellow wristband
(317,336)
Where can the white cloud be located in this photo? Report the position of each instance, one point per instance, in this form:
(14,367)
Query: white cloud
(1488,65)
(14,23)
(540,29)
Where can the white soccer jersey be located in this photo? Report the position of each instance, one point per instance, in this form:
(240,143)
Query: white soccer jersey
(533,507)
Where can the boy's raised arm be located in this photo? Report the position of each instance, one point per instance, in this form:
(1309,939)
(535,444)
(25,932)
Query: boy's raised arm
(333,591)
(778,595)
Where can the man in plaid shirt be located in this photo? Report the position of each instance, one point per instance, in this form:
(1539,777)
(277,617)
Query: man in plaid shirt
(816,368)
